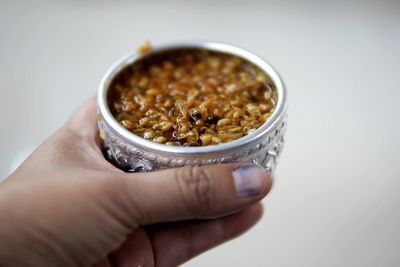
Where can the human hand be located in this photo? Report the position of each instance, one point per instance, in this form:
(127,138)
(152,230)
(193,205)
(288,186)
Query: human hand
(67,206)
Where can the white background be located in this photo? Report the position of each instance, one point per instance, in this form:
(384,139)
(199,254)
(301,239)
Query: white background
(336,198)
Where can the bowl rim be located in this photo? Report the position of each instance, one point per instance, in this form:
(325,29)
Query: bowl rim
(141,143)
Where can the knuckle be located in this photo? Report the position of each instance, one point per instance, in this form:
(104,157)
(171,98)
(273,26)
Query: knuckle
(196,186)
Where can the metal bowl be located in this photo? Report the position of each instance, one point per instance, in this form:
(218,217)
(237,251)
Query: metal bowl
(135,154)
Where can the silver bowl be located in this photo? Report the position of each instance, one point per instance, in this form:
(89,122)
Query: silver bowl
(133,153)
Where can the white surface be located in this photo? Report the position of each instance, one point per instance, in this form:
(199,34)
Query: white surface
(336,198)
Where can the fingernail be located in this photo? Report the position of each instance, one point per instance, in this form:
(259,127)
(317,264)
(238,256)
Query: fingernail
(249,180)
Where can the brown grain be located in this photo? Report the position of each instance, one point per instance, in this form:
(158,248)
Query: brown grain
(192,97)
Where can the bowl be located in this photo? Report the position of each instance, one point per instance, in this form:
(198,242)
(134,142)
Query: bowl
(133,153)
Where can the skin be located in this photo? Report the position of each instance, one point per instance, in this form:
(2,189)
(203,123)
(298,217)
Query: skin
(67,206)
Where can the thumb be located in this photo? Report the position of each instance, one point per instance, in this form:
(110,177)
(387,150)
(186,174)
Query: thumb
(195,192)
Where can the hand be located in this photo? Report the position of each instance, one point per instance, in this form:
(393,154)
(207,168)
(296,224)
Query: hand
(67,206)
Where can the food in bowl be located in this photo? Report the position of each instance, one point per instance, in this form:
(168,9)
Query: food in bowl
(192,97)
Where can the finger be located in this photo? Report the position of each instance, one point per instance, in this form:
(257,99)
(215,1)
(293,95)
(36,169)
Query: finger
(193,192)
(137,250)
(84,120)
(175,244)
